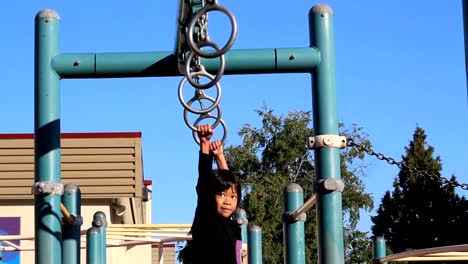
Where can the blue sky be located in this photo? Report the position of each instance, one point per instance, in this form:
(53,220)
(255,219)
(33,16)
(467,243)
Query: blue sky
(399,64)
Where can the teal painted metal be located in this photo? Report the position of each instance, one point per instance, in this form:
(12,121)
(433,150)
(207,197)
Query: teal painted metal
(196,5)
(241,217)
(99,221)
(255,245)
(379,247)
(246,61)
(293,230)
(297,59)
(71,199)
(48,230)
(106,63)
(153,64)
(1,252)
(327,160)
(93,246)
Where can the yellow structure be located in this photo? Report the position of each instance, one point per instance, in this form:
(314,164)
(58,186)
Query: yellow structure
(108,167)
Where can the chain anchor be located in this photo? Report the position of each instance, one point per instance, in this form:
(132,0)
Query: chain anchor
(322,141)
(212,6)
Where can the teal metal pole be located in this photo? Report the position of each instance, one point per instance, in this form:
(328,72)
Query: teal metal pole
(465,29)
(71,199)
(164,63)
(93,246)
(100,222)
(255,245)
(1,252)
(241,217)
(327,159)
(47,187)
(379,248)
(293,229)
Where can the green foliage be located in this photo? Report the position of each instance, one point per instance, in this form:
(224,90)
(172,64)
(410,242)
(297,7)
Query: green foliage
(420,212)
(358,247)
(275,154)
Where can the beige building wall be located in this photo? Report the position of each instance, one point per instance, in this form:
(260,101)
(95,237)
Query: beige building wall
(108,167)
(26,214)
(140,254)
(168,254)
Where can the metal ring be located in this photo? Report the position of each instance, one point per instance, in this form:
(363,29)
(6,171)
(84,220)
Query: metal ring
(208,115)
(191,27)
(187,121)
(203,111)
(219,74)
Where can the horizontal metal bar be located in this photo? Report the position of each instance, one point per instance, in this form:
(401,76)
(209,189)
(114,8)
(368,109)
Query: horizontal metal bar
(424,251)
(152,64)
(306,206)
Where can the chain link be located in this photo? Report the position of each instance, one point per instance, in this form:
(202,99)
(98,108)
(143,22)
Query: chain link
(201,35)
(402,165)
(197,37)
(202,24)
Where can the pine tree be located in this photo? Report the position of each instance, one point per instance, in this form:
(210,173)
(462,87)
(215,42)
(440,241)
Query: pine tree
(420,212)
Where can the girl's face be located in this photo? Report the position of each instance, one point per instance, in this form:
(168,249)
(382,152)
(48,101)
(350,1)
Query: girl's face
(226,202)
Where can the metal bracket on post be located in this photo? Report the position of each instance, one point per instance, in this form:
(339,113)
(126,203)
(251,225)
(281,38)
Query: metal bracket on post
(330,185)
(76,220)
(288,217)
(322,141)
(242,221)
(46,188)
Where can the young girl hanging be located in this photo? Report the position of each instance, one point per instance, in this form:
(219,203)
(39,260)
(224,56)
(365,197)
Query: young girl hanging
(216,237)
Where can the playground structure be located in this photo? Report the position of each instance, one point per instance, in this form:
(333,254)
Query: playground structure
(51,66)
(318,60)
(117,235)
(447,253)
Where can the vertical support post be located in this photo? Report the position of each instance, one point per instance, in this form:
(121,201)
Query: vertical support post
(48,231)
(99,221)
(379,248)
(255,245)
(71,231)
(327,159)
(465,30)
(241,217)
(293,229)
(93,246)
(161,253)
(1,252)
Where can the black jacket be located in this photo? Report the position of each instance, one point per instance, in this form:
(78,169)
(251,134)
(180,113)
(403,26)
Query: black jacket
(215,239)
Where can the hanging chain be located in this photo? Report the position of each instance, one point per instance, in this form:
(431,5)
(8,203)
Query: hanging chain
(197,38)
(202,24)
(201,36)
(403,165)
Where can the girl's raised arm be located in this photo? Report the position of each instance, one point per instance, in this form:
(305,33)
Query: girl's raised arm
(217,148)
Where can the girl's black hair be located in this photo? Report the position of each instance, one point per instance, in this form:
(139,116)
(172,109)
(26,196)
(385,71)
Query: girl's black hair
(223,179)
